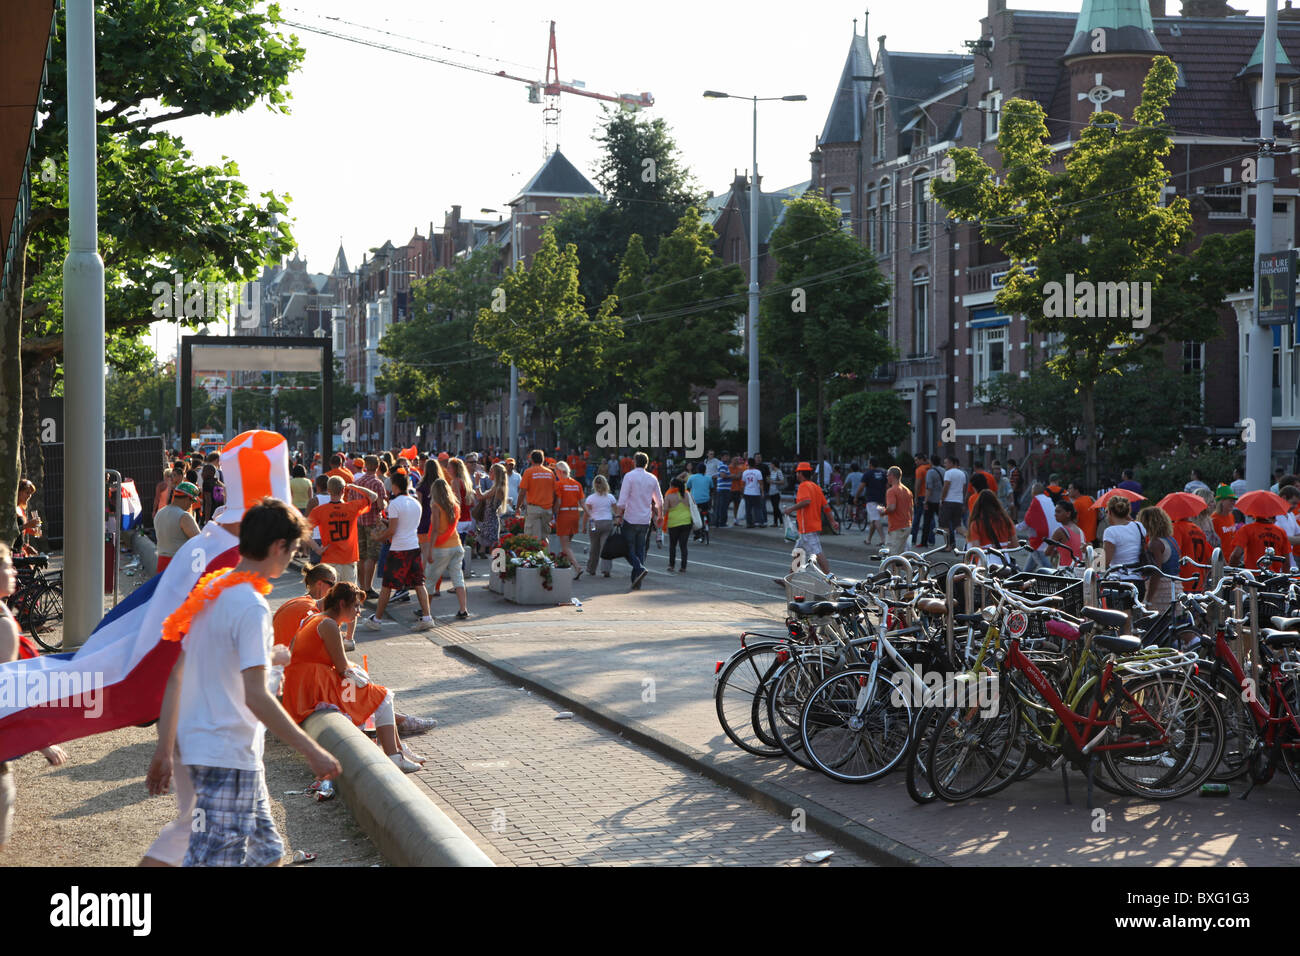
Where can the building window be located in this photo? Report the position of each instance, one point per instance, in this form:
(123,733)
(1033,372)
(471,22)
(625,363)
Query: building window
(1194,363)
(878,145)
(920,312)
(728,413)
(920,213)
(871,218)
(843,198)
(992,111)
(990,354)
(931,419)
(1225,202)
(886,220)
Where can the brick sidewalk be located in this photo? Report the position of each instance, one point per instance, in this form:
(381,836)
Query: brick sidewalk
(533,790)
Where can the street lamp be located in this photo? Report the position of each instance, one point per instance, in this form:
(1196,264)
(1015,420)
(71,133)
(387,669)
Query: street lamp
(751,424)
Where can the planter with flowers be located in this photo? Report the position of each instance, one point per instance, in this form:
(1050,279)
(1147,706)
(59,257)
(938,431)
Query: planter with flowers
(530,575)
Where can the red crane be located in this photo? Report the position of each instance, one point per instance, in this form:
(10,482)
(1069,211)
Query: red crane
(547,91)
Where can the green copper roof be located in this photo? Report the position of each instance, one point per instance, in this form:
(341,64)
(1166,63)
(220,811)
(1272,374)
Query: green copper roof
(1257,58)
(1127,24)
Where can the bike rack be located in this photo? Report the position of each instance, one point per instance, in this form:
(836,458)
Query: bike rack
(964,571)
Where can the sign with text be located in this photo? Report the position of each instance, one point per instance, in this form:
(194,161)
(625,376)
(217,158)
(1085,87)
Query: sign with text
(1276,298)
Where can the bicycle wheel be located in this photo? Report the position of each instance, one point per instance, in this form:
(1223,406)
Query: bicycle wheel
(918,783)
(853,728)
(734,697)
(45,616)
(967,748)
(1185,714)
(1288,737)
(1239,730)
(786,693)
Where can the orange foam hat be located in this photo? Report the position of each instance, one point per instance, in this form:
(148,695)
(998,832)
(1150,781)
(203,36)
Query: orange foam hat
(256,466)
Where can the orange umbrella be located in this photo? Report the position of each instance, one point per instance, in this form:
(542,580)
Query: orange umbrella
(1262,504)
(1121,492)
(1182,504)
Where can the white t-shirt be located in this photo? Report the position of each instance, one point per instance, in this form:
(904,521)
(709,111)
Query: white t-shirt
(404,517)
(320,500)
(1290,526)
(956,489)
(215,728)
(1127,539)
(512,491)
(711,466)
(601,507)
(753,479)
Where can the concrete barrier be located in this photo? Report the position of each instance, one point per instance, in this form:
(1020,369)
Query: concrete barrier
(147,551)
(404,823)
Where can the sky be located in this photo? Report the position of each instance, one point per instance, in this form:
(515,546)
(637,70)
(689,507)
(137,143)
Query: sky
(378,144)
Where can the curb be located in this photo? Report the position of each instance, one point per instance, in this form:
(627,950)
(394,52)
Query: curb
(870,843)
(403,822)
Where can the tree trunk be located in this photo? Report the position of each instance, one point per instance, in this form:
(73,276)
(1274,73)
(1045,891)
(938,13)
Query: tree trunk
(33,461)
(1088,403)
(11,399)
(821,447)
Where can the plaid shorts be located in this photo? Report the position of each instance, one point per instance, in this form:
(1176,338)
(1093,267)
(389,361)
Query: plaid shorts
(404,569)
(232,823)
(367,546)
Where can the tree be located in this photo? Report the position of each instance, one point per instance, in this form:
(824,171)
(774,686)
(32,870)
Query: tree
(682,335)
(828,311)
(1099,227)
(543,328)
(868,423)
(303,408)
(435,363)
(160,214)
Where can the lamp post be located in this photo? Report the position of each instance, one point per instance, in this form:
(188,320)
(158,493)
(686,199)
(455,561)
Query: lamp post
(390,413)
(751,423)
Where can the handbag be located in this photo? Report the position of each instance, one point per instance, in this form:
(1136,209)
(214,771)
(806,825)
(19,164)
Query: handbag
(696,521)
(615,547)
(791,529)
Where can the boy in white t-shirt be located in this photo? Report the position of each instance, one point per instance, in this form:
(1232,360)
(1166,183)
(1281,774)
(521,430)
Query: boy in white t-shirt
(225,707)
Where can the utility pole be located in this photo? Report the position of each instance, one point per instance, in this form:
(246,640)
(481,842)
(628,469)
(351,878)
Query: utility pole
(1259,362)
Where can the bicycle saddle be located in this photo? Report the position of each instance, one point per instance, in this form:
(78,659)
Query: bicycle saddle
(1119,643)
(815,608)
(1280,638)
(38,561)
(1286,623)
(1104,617)
(933,606)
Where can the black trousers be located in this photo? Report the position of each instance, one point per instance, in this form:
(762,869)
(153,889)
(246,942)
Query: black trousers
(678,535)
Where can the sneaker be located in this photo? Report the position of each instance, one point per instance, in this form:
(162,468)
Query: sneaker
(605,573)
(636,581)
(401,596)
(371,623)
(462,615)
(372,594)
(404,764)
(671,568)
(412,726)
(424,623)
(411,755)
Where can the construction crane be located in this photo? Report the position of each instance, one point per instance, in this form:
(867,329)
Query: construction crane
(546,92)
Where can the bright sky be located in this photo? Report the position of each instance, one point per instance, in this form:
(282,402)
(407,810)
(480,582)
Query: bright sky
(379,144)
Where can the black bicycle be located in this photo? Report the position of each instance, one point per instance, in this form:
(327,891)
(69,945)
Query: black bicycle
(37,602)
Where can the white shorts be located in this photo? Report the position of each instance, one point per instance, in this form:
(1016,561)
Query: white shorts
(345,573)
(875,511)
(810,543)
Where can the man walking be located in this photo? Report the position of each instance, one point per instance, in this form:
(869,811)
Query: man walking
(918,509)
(753,484)
(639,505)
(873,488)
(809,508)
(537,489)
(898,510)
(368,544)
(951,499)
(721,493)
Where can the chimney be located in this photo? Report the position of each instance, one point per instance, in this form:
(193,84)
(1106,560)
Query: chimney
(1157,8)
(1288,13)
(997,6)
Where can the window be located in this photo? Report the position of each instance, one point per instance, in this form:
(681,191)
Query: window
(871,218)
(920,213)
(931,411)
(1194,363)
(886,220)
(878,144)
(990,354)
(728,413)
(843,198)
(920,312)
(992,107)
(1225,202)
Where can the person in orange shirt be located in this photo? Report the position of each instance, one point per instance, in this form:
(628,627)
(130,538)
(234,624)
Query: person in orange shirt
(339,469)
(537,496)
(898,508)
(809,507)
(293,613)
(578,467)
(1249,541)
(1087,514)
(737,468)
(1193,544)
(337,522)
(1224,521)
(319,673)
(568,512)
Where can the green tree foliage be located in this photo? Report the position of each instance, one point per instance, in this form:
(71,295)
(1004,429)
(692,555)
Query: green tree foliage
(1043,403)
(543,328)
(828,311)
(160,213)
(1101,220)
(679,317)
(1170,471)
(435,363)
(868,423)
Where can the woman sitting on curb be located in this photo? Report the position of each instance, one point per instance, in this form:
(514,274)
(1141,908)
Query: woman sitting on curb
(320,676)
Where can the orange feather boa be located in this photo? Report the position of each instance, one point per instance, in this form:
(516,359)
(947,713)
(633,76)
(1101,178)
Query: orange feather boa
(208,589)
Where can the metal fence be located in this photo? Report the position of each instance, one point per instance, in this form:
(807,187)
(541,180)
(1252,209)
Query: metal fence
(138,459)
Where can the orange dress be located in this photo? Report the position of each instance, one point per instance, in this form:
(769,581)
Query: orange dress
(570,495)
(311,680)
(288,620)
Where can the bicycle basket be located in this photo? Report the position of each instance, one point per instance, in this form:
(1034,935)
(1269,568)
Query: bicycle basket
(808,586)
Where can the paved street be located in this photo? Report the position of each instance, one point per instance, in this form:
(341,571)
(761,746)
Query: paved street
(673,631)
